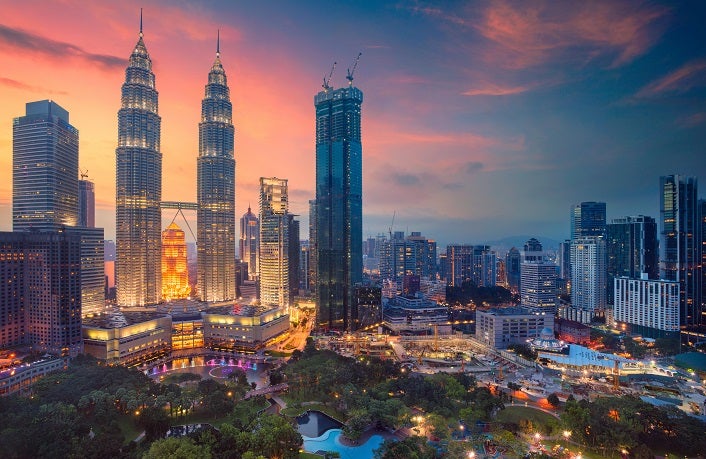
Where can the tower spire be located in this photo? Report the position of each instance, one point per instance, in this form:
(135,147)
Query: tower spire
(218,43)
(140,22)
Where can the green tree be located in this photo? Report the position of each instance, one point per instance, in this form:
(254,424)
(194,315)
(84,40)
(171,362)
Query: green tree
(177,448)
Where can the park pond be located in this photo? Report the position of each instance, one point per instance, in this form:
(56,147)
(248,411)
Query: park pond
(322,433)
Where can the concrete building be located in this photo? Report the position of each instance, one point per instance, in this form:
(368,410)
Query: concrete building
(588,279)
(502,327)
(647,307)
(274,242)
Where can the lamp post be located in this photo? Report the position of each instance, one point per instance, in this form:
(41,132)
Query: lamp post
(566,434)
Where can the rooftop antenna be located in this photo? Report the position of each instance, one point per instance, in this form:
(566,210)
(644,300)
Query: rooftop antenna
(350,72)
(327,80)
(140,22)
(218,43)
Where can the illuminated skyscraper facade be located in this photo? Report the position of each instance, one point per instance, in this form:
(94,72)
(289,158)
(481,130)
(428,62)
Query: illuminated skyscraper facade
(250,242)
(339,231)
(175,275)
(138,185)
(44,169)
(274,242)
(216,190)
(679,248)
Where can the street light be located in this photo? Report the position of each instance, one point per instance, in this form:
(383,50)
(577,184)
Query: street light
(471,454)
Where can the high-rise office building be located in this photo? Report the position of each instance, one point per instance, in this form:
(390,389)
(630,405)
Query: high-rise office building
(304,268)
(175,275)
(588,219)
(588,278)
(538,287)
(92,269)
(274,242)
(313,254)
(86,203)
(403,256)
(476,263)
(138,229)
(679,249)
(512,269)
(339,215)
(294,255)
(632,250)
(44,169)
(250,242)
(216,190)
(564,259)
(41,276)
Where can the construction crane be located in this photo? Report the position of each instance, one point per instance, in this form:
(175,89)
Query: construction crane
(350,72)
(328,80)
(84,174)
(389,230)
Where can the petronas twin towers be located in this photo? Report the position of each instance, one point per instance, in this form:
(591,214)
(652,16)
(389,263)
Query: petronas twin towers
(139,187)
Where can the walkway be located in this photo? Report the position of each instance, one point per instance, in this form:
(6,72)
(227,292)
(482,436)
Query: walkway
(266,390)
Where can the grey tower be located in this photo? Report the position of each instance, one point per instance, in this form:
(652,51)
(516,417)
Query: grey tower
(44,169)
(138,185)
(339,217)
(216,189)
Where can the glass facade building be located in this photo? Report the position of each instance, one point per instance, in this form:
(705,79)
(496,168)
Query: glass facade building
(216,190)
(138,186)
(679,247)
(44,169)
(339,215)
(588,219)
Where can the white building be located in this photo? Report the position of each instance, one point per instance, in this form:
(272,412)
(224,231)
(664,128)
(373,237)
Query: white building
(501,327)
(649,307)
(588,278)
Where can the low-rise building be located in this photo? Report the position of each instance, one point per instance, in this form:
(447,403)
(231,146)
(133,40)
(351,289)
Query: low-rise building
(415,314)
(502,327)
(240,328)
(19,378)
(572,331)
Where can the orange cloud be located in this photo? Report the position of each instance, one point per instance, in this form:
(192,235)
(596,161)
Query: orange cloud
(523,35)
(690,75)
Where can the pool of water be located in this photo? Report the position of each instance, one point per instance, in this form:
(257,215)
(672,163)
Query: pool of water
(314,424)
(329,442)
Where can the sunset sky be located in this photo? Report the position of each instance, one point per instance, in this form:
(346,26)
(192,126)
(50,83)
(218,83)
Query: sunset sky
(480,120)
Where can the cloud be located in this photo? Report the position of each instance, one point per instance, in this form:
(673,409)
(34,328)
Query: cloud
(22,41)
(493,89)
(692,120)
(406,179)
(523,35)
(690,75)
(27,87)
(473,167)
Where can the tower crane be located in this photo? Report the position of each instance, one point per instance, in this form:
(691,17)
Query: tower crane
(350,72)
(84,174)
(327,80)
(389,230)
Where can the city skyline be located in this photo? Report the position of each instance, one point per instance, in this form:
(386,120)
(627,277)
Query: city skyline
(571,103)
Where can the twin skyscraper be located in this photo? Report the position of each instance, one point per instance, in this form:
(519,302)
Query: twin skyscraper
(336,219)
(139,187)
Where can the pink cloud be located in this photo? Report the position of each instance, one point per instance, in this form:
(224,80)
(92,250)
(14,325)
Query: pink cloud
(493,89)
(690,75)
(523,35)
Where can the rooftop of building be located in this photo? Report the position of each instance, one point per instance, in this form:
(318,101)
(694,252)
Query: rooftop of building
(242,310)
(119,319)
(508,311)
